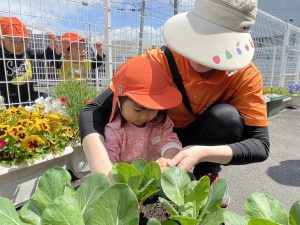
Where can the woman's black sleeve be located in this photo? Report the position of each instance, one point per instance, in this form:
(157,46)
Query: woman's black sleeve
(95,116)
(254,147)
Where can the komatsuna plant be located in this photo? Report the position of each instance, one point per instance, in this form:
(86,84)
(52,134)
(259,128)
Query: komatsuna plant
(55,202)
(192,202)
(142,177)
(263,209)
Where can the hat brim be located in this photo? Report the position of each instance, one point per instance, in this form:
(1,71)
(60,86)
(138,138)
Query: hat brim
(208,44)
(168,99)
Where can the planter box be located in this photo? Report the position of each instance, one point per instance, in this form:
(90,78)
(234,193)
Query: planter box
(18,183)
(77,162)
(274,105)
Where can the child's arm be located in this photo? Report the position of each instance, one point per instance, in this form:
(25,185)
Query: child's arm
(100,56)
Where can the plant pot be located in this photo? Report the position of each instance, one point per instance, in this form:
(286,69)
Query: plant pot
(274,105)
(18,183)
(77,162)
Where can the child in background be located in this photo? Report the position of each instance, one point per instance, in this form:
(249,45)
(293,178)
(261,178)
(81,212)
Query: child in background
(74,64)
(140,127)
(15,61)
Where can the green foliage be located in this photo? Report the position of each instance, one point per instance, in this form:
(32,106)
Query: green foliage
(56,202)
(196,202)
(143,178)
(77,95)
(262,209)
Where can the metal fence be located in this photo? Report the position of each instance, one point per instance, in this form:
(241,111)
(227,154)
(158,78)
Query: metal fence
(128,28)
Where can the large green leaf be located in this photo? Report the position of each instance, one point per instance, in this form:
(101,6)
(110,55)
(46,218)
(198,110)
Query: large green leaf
(139,164)
(8,213)
(51,186)
(215,196)
(174,181)
(153,221)
(127,174)
(231,218)
(64,211)
(259,205)
(118,205)
(260,221)
(185,220)
(89,193)
(168,207)
(196,196)
(214,218)
(169,222)
(29,214)
(295,214)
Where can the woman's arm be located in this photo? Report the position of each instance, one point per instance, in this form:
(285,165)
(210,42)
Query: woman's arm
(254,148)
(92,121)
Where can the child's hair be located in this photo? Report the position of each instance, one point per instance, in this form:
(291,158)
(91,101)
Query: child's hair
(159,120)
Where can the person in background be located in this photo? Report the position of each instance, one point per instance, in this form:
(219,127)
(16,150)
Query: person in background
(74,64)
(139,126)
(16,85)
(222,119)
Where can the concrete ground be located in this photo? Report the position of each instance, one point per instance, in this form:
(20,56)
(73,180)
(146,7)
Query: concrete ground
(279,175)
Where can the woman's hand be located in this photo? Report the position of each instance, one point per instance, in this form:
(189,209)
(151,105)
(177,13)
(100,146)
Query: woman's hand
(187,158)
(163,163)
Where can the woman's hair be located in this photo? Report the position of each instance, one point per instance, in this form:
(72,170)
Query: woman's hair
(159,120)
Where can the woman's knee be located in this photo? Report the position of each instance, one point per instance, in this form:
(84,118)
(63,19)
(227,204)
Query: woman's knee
(226,122)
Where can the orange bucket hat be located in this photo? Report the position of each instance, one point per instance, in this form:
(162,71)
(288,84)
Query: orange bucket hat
(13,27)
(143,81)
(71,37)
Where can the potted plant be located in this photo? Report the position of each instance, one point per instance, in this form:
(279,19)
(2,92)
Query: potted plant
(75,95)
(294,91)
(273,100)
(96,202)
(31,141)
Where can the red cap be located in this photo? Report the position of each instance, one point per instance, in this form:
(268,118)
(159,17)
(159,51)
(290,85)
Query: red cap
(144,81)
(13,27)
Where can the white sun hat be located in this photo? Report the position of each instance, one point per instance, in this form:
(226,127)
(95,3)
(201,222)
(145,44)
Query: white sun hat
(215,33)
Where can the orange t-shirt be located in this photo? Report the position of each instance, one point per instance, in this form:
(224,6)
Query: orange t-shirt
(243,90)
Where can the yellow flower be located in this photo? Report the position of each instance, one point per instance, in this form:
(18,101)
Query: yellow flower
(3,131)
(20,135)
(39,125)
(55,127)
(14,130)
(32,142)
(66,121)
(39,115)
(54,117)
(24,122)
(39,107)
(69,133)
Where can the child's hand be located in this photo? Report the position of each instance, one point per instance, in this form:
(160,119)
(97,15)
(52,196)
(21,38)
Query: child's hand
(52,38)
(99,49)
(61,44)
(163,163)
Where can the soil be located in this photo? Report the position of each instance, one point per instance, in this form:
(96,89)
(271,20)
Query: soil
(152,208)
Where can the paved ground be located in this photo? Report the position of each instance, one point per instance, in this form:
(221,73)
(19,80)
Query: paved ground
(279,175)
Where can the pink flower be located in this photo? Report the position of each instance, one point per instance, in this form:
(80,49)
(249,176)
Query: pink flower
(2,143)
(63,100)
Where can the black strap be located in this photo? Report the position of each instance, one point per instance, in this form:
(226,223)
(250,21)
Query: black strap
(177,78)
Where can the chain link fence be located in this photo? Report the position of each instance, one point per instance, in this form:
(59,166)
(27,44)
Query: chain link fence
(128,28)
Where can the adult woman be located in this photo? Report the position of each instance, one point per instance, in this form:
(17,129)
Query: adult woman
(222,119)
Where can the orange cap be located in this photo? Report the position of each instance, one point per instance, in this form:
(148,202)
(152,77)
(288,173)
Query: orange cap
(13,27)
(143,80)
(72,37)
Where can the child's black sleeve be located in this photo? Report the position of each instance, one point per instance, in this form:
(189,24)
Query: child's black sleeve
(47,54)
(97,62)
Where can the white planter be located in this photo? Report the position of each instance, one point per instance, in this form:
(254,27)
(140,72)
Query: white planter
(18,183)
(77,162)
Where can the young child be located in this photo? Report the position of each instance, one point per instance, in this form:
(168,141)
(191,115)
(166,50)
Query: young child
(74,64)
(140,127)
(15,61)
